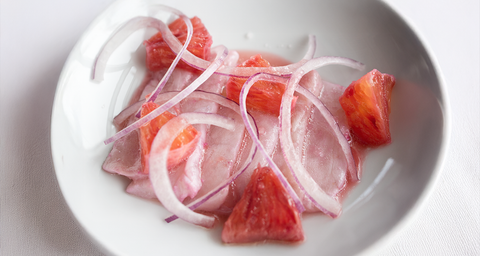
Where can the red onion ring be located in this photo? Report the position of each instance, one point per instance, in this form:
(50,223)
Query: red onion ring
(177,98)
(158,163)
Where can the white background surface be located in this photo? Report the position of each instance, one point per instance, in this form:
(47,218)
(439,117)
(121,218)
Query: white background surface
(36,38)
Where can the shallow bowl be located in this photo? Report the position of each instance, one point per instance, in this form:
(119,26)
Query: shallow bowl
(396,180)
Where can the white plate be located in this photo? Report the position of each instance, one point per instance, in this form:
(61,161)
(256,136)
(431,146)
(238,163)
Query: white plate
(364,30)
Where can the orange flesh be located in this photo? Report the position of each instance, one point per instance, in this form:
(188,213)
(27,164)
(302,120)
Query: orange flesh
(159,54)
(366,103)
(265,212)
(150,130)
(263,96)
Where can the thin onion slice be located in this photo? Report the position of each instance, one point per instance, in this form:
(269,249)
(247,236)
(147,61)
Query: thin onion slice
(221,52)
(233,106)
(307,184)
(243,108)
(158,163)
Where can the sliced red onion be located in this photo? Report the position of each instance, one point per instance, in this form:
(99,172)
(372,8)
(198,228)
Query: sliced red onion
(307,184)
(233,106)
(248,126)
(221,54)
(333,123)
(158,163)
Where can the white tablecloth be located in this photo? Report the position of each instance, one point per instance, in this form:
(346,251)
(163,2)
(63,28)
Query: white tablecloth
(36,38)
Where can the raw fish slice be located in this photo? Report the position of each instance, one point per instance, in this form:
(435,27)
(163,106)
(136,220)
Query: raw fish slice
(315,141)
(268,129)
(330,95)
(221,151)
(330,98)
(124,158)
(324,158)
(155,78)
(141,188)
(126,116)
(301,117)
(179,79)
(149,77)
(303,110)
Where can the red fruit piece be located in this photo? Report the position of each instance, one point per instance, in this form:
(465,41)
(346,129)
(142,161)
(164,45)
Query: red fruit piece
(181,146)
(264,96)
(159,54)
(366,103)
(265,212)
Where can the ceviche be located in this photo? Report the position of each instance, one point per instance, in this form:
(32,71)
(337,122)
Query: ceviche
(250,141)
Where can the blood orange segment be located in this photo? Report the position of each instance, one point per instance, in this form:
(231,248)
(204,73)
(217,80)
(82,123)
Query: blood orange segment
(159,54)
(366,103)
(264,96)
(265,212)
(150,130)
